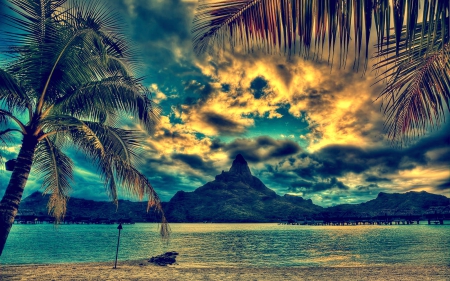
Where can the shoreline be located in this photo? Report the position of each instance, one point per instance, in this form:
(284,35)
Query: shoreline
(143,270)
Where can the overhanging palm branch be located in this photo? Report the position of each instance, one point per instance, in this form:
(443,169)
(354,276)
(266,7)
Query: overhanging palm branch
(406,30)
(56,169)
(115,151)
(283,25)
(417,93)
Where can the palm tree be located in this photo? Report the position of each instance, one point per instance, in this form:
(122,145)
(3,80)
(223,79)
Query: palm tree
(69,83)
(413,57)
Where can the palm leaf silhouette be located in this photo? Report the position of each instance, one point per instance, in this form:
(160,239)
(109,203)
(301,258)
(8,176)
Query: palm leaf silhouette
(406,30)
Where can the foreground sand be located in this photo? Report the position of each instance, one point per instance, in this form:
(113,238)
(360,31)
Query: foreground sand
(142,270)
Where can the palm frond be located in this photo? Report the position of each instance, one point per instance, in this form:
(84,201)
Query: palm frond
(69,126)
(79,42)
(105,99)
(124,144)
(90,141)
(137,184)
(417,73)
(103,144)
(287,26)
(5,138)
(6,117)
(106,29)
(115,159)
(12,95)
(34,40)
(297,25)
(56,169)
(87,59)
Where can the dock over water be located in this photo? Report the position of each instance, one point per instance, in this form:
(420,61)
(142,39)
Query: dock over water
(434,215)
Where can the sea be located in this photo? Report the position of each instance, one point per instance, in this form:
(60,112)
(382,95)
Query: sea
(233,245)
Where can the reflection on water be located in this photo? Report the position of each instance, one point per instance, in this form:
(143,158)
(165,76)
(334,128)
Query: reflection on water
(234,244)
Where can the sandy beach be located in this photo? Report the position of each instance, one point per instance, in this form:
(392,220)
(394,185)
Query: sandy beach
(142,270)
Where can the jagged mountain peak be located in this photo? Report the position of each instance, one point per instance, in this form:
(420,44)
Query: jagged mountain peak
(240,166)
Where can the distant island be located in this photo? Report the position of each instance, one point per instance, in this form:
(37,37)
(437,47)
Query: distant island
(238,196)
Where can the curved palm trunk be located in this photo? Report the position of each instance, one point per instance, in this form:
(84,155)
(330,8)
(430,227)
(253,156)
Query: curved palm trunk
(13,194)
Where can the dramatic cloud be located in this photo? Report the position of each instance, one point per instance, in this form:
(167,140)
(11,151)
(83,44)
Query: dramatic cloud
(376,179)
(195,162)
(221,124)
(444,186)
(305,186)
(261,149)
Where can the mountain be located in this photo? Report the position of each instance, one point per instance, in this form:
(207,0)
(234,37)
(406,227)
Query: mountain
(236,196)
(85,210)
(416,202)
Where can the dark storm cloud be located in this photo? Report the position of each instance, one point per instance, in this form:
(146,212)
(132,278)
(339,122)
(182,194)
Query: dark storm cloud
(277,176)
(286,149)
(195,162)
(202,91)
(312,187)
(166,181)
(222,124)
(332,184)
(217,144)
(444,156)
(167,176)
(301,184)
(339,160)
(308,173)
(261,149)
(367,187)
(320,98)
(170,135)
(439,140)
(376,179)
(318,171)
(444,185)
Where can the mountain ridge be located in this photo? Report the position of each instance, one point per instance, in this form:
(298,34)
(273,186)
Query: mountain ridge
(234,196)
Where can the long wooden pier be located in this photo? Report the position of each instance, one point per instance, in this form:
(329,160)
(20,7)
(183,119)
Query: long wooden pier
(434,215)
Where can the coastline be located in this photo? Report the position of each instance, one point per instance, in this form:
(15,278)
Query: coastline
(143,270)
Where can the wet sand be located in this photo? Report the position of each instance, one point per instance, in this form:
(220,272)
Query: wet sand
(142,270)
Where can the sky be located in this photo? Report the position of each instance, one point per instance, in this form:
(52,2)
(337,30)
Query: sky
(304,128)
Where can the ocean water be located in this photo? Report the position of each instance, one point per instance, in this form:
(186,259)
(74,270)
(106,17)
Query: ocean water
(243,245)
